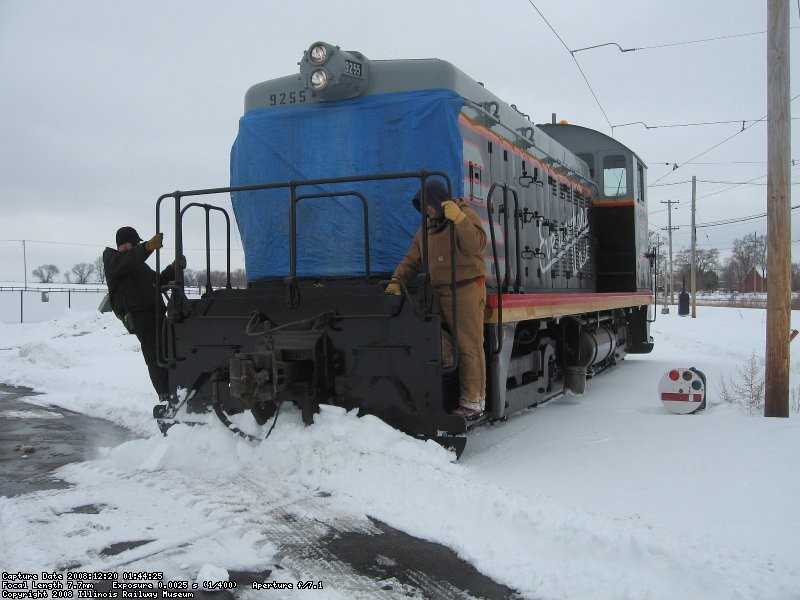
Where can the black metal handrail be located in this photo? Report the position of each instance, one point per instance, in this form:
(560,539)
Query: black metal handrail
(363,199)
(292,186)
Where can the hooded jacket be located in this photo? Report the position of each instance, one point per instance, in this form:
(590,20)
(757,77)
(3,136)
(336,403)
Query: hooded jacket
(132,284)
(470,252)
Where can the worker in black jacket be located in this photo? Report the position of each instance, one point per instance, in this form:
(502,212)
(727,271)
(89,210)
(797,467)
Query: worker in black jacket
(134,298)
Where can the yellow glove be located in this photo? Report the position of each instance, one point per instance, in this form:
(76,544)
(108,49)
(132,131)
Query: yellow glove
(393,288)
(155,242)
(453,212)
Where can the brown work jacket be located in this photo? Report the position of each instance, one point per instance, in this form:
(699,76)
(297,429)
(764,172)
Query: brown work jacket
(470,252)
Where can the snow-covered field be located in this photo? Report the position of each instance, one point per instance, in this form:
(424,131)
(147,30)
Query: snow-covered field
(603,496)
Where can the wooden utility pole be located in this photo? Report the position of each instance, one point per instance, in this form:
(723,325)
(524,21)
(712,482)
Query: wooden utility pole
(693,280)
(779,240)
(671,281)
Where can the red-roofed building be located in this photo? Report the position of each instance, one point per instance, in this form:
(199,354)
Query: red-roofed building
(753,282)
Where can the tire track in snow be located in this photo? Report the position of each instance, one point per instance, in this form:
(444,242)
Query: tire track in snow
(268,526)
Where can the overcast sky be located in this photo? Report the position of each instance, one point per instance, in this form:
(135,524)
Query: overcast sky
(107,104)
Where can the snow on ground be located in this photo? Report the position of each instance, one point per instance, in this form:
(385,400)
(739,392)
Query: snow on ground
(603,496)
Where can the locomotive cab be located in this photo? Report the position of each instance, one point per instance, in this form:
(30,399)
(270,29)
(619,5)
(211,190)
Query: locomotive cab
(620,206)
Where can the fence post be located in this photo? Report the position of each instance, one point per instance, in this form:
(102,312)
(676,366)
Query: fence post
(20,305)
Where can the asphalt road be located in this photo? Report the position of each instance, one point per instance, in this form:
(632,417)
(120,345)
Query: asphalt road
(36,440)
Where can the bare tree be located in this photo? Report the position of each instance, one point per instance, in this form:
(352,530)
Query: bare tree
(654,240)
(795,277)
(760,252)
(238,278)
(82,272)
(100,269)
(192,278)
(728,276)
(218,278)
(707,263)
(45,273)
(749,252)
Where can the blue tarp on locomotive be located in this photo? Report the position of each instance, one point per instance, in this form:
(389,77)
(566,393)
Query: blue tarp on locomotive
(383,133)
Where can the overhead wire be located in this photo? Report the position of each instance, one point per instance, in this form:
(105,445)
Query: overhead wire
(714,39)
(749,182)
(744,122)
(733,183)
(600,106)
(676,165)
(83,245)
(699,124)
(585,79)
(704,152)
(717,145)
(735,220)
(727,162)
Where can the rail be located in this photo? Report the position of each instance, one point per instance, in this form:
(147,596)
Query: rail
(33,304)
(14,288)
(291,280)
(503,288)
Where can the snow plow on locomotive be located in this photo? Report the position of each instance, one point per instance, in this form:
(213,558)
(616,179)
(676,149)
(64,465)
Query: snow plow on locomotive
(322,173)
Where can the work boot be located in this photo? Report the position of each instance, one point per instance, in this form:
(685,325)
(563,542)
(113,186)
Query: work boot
(467,413)
(164,425)
(166,408)
(164,412)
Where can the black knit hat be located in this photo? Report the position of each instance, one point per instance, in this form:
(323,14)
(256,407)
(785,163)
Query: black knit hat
(435,194)
(127,234)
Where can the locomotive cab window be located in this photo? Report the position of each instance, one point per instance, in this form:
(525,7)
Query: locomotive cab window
(640,182)
(615,176)
(589,160)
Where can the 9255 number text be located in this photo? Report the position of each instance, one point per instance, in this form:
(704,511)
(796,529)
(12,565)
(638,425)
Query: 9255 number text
(287,98)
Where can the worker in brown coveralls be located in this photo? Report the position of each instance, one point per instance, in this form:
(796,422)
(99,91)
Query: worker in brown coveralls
(470,284)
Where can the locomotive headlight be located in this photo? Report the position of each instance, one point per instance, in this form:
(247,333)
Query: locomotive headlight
(343,76)
(318,53)
(318,79)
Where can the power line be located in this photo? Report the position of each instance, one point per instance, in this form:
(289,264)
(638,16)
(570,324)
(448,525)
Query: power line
(596,99)
(732,186)
(735,220)
(733,183)
(698,124)
(717,145)
(58,243)
(714,39)
(728,162)
(105,245)
(732,221)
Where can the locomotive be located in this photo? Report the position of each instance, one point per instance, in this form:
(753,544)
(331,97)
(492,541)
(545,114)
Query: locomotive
(323,170)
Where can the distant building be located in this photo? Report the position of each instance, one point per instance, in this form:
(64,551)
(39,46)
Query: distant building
(753,282)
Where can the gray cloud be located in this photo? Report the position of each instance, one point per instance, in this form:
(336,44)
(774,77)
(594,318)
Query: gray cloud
(107,105)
